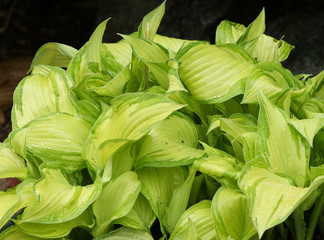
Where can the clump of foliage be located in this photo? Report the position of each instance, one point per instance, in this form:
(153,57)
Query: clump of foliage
(198,140)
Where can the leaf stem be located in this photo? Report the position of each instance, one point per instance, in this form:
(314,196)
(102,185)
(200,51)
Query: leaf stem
(268,234)
(282,232)
(315,215)
(300,226)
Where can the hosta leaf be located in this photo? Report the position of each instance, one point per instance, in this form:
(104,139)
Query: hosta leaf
(15,199)
(228,32)
(11,165)
(57,230)
(231,216)
(175,84)
(308,127)
(173,44)
(123,233)
(140,217)
(214,122)
(121,194)
(46,138)
(271,198)
(202,110)
(93,58)
(14,233)
(238,124)
(318,84)
(160,72)
(132,115)
(121,51)
(172,142)
(266,48)
(279,144)
(311,108)
(254,30)
(191,233)
(153,55)
(150,23)
(179,202)
(271,78)
(41,93)
(57,200)
(54,54)
(200,216)
(123,160)
(214,74)
(147,50)
(92,53)
(159,185)
(109,88)
(77,68)
(220,165)
(9,201)
(239,129)
(87,105)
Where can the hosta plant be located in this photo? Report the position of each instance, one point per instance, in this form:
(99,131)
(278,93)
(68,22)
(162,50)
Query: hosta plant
(157,137)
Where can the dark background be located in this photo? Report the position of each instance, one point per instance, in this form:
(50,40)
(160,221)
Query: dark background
(35,22)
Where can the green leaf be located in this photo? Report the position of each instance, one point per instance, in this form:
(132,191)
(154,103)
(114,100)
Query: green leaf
(311,108)
(200,216)
(57,200)
(231,216)
(238,124)
(121,194)
(279,144)
(141,216)
(14,233)
(15,199)
(109,88)
(173,44)
(254,30)
(172,142)
(121,51)
(122,160)
(54,54)
(228,32)
(86,104)
(175,83)
(78,68)
(45,91)
(271,78)
(308,127)
(123,233)
(57,230)
(266,48)
(151,54)
(92,53)
(191,233)
(9,201)
(150,23)
(93,58)
(56,139)
(158,187)
(220,165)
(131,117)
(214,74)
(147,50)
(271,198)
(179,202)
(11,165)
